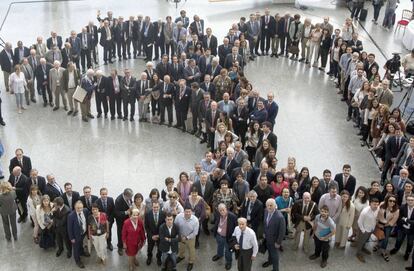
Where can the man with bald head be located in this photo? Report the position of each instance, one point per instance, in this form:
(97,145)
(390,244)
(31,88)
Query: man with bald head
(88,84)
(142,91)
(56,85)
(86,47)
(40,47)
(272,108)
(52,187)
(54,40)
(211,118)
(303,213)
(6,63)
(20,183)
(166,100)
(246,245)
(398,181)
(42,81)
(101,94)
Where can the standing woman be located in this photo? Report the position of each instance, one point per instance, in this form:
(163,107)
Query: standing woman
(334,53)
(360,202)
(154,196)
(387,219)
(32,202)
(315,190)
(155,84)
(326,42)
(278,184)
(133,237)
(184,187)
(346,219)
(17,83)
(98,229)
(377,7)
(303,180)
(44,214)
(198,207)
(139,204)
(315,41)
(253,135)
(8,210)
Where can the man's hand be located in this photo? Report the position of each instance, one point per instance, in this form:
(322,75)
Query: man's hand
(72,241)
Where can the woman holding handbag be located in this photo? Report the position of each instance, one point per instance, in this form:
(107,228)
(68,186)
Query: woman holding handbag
(44,214)
(387,219)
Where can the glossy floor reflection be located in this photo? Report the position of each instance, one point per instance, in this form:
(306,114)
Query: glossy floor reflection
(311,126)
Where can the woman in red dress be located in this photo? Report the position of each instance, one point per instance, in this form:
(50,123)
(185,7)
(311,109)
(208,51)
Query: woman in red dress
(133,237)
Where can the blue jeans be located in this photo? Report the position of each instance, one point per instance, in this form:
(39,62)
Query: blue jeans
(223,247)
(387,233)
(19,99)
(173,259)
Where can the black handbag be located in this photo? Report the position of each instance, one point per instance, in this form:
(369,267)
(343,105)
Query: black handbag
(262,246)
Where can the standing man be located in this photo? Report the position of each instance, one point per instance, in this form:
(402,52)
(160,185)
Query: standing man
(20,52)
(77,226)
(188,226)
(272,109)
(268,30)
(60,223)
(345,180)
(169,237)
(122,204)
(153,221)
(22,161)
(29,75)
(366,222)
(88,83)
(168,37)
(106,41)
(71,79)
(212,116)
(274,230)
(405,227)
(86,48)
(70,197)
(56,85)
(284,39)
(113,91)
(159,28)
(76,46)
(42,79)
(197,96)
(92,29)
(6,63)
(88,199)
(246,245)
(182,102)
(20,184)
(166,100)
(107,205)
(142,91)
(40,181)
(253,31)
(210,42)
(225,222)
(101,94)
(148,35)
(54,40)
(52,187)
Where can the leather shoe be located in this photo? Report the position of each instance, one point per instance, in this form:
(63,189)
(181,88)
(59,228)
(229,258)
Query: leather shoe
(110,247)
(80,265)
(70,112)
(409,268)
(179,259)
(393,251)
(159,262)
(215,258)
(265,264)
(361,258)
(120,251)
(149,261)
(68,255)
(2,123)
(227,266)
(59,252)
(20,220)
(86,254)
(189,267)
(313,257)
(55,108)
(323,264)
(406,256)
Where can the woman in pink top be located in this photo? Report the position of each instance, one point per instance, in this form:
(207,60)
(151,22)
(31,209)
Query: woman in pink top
(183,187)
(278,184)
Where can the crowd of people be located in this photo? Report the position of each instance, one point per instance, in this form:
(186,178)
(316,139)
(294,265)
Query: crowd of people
(237,185)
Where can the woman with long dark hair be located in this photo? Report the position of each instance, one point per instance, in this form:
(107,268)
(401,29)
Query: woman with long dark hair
(253,135)
(387,219)
(346,219)
(360,202)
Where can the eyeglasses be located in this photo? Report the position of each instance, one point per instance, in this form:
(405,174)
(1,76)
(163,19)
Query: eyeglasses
(392,200)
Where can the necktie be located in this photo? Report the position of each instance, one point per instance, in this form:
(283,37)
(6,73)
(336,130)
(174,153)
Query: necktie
(21,162)
(401,184)
(16,181)
(345,180)
(34,61)
(213,114)
(80,222)
(35,181)
(156,218)
(241,240)
(104,205)
(305,209)
(88,203)
(269,216)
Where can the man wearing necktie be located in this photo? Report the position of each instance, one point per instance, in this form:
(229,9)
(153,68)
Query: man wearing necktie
(6,63)
(142,93)
(76,45)
(106,41)
(85,52)
(392,148)
(106,204)
(77,228)
(87,198)
(121,210)
(148,35)
(182,104)
(345,180)
(128,93)
(268,25)
(153,221)
(21,186)
(166,100)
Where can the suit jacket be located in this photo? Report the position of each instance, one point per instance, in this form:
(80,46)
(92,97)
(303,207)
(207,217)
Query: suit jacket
(396,181)
(150,227)
(325,188)
(403,215)
(54,76)
(22,186)
(142,91)
(272,110)
(213,44)
(164,245)
(203,108)
(402,155)
(42,76)
(232,165)
(32,63)
(249,176)
(93,200)
(357,44)
(213,72)
(17,59)
(94,35)
(60,219)
(151,33)
(66,57)
(349,186)
(27,71)
(210,122)
(51,57)
(110,91)
(210,89)
(240,118)
(75,198)
(120,207)
(131,92)
(53,192)
(208,191)
(89,41)
(159,34)
(391,147)
(5,62)
(119,32)
(297,212)
(252,103)
(177,73)
(202,64)
(229,61)
(259,115)
(76,45)
(41,183)
(41,49)
(74,229)
(194,28)
(256,214)
(184,20)
(104,42)
(110,208)
(189,72)
(256,174)
(183,103)
(58,40)
(271,137)
(223,52)
(101,86)
(26,168)
(275,230)
(196,99)
(231,224)
(65,78)
(270,27)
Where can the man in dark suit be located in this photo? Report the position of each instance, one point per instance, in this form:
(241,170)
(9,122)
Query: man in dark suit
(159,39)
(113,91)
(148,36)
(107,205)
(260,114)
(70,197)
(284,37)
(232,58)
(228,163)
(129,35)
(120,38)
(42,80)
(183,18)
(88,199)
(197,27)
(355,43)
(248,173)
(60,219)
(182,102)
(77,229)
(20,52)
(252,101)
(106,41)
(210,42)
(76,45)
(54,40)
(205,190)
(405,227)
(252,210)
(197,95)
(392,148)
(86,48)
(168,241)
(272,109)
(163,67)
(398,181)
(20,183)
(101,96)
(267,134)
(212,116)
(128,94)
(345,180)
(240,117)
(203,107)
(22,161)
(223,234)
(35,179)
(92,29)
(66,55)
(274,229)
(153,221)
(52,188)
(167,91)
(223,50)
(213,69)
(122,204)
(267,25)
(177,70)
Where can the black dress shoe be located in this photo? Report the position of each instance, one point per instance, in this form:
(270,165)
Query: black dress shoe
(179,259)
(189,267)
(59,252)
(228,266)
(75,113)
(70,112)
(406,256)
(86,254)
(215,258)
(120,251)
(159,262)
(91,116)
(55,108)
(20,220)
(110,247)
(149,261)
(80,265)
(85,119)
(120,117)
(2,123)
(393,251)
(112,118)
(197,244)
(131,119)
(33,100)
(105,116)
(265,264)
(44,104)
(68,255)
(409,268)
(99,115)
(124,119)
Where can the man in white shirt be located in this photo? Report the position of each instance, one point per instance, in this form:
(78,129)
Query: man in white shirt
(366,222)
(246,244)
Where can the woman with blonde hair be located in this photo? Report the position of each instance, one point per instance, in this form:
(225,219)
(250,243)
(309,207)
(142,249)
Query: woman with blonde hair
(290,172)
(17,83)
(44,215)
(8,210)
(32,202)
(172,205)
(133,238)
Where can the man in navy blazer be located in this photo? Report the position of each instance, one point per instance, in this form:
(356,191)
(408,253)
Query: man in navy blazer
(77,229)
(272,109)
(182,103)
(153,220)
(20,52)
(260,114)
(54,40)
(398,181)
(392,148)
(52,188)
(345,180)
(107,205)
(40,181)
(228,163)
(75,43)
(405,227)
(274,229)
(214,68)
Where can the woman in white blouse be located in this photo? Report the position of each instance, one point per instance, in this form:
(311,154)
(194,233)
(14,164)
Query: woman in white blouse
(44,215)
(360,202)
(32,202)
(17,83)
(172,205)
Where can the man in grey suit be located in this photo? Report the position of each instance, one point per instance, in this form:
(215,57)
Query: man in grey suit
(402,157)
(53,55)
(253,31)
(168,37)
(398,181)
(274,229)
(205,189)
(232,58)
(196,97)
(40,47)
(29,75)
(192,72)
(56,85)
(239,154)
(326,181)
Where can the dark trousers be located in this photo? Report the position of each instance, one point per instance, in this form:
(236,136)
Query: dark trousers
(210,138)
(78,249)
(196,120)
(240,130)
(345,94)
(85,57)
(119,224)
(252,43)
(76,61)
(94,55)
(107,53)
(126,102)
(181,116)
(159,46)
(166,105)
(321,247)
(1,116)
(251,151)
(169,47)
(273,255)
(109,240)
(361,240)
(138,46)
(244,262)
(46,93)
(9,221)
(113,49)
(62,238)
(23,202)
(284,43)
(150,248)
(155,107)
(101,101)
(386,167)
(256,45)
(121,48)
(334,68)
(355,11)
(324,56)
(130,42)
(377,9)
(402,233)
(365,130)
(265,39)
(148,50)
(115,101)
